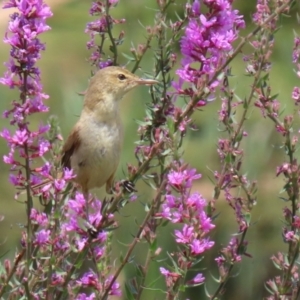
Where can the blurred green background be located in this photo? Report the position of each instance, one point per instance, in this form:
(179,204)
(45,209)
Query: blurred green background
(65,72)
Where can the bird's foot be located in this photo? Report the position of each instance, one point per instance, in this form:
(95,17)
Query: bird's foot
(93,232)
(128,186)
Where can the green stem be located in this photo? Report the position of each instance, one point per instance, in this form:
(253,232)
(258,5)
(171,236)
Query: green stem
(18,259)
(136,239)
(109,32)
(223,283)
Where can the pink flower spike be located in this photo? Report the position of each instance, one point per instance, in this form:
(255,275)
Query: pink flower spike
(198,279)
(42,237)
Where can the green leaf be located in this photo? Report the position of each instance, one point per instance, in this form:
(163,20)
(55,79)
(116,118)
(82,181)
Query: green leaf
(181,288)
(139,271)
(153,246)
(228,158)
(129,292)
(247,217)
(130,58)
(166,152)
(2,255)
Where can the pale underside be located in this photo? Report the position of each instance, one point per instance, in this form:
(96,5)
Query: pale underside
(96,158)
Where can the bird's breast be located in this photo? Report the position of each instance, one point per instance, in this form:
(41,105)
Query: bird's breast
(98,156)
(102,141)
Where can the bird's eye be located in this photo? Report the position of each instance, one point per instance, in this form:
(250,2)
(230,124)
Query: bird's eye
(121,76)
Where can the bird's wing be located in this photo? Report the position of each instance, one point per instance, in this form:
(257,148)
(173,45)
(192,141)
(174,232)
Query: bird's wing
(70,146)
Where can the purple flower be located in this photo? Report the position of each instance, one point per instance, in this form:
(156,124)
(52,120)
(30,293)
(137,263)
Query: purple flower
(22,35)
(296,95)
(34,8)
(45,169)
(39,218)
(200,246)
(57,279)
(182,179)
(164,271)
(59,184)
(290,236)
(296,50)
(95,218)
(80,243)
(61,244)
(44,147)
(170,277)
(207,41)
(198,279)
(98,252)
(296,61)
(231,251)
(68,174)
(17,180)
(72,224)
(205,222)
(104,64)
(42,237)
(77,212)
(115,288)
(220,260)
(197,201)
(20,137)
(43,128)
(176,178)
(186,208)
(83,296)
(89,279)
(99,28)
(184,236)
(165,212)
(78,205)
(102,236)
(8,159)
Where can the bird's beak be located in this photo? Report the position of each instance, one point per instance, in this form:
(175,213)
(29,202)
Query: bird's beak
(143,81)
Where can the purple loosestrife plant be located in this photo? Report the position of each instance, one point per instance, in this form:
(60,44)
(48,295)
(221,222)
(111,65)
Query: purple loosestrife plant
(205,46)
(102,28)
(25,143)
(67,254)
(207,50)
(207,43)
(187,209)
(240,192)
(22,74)
(287,283)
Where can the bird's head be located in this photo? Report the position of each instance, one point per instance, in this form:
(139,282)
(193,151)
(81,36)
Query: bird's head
(110,84)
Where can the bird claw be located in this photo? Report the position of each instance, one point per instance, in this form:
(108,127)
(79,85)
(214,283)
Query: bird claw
(93,232)
(128,186)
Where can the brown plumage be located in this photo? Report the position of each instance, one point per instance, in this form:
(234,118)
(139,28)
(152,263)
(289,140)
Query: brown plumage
(71,145)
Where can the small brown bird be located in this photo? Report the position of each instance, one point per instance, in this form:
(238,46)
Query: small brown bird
(94,146)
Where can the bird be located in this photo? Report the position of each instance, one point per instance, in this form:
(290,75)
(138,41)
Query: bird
(94,146)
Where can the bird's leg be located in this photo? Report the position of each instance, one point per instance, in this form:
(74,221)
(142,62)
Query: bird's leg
(128,186)
(110,184)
